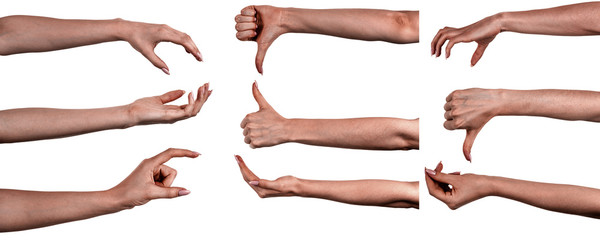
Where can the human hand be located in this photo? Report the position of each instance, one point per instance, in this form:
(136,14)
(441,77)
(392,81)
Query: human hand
(454,189)
(144,37)
(152,180)
(481,32)
(261,24)
(266,127)
(283,186)
(471,109)
(152,110)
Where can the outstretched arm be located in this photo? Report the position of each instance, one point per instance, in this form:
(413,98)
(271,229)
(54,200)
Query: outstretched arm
(267,128)
(554,197)
(384,193)
(471,109)
(27,124)
(22,210)
(570,20)
(264,24)
(20,34)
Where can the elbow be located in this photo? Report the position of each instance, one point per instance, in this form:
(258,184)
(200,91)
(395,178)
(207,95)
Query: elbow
(403,26)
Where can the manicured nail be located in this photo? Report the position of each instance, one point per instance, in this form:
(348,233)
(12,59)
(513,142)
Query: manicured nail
(253,183)
(430,172)
(166,71)
(197,153)
(184,192)
(200,56)
(237,158)
(469,157)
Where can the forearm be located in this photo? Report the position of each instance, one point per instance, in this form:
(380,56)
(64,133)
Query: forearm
(20,34)
(20,210)
(363,24)
(561,104)
(358,133)
(554,197)
(569,20)
(27,124)
(363,192)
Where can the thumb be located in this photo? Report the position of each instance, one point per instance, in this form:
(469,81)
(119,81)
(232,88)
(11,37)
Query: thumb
(262,102)
(478,53)
(267,184)
(171,96)
(260,55)
(170,192)
(469,140)
(441,177)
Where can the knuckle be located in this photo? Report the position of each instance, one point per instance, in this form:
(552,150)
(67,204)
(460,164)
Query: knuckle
(460,122)
(452,205)
(261,194)
(185,37)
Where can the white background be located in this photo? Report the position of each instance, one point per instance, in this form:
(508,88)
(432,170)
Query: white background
(306,76)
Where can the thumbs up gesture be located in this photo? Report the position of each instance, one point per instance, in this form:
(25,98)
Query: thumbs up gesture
(261,24)
(266,127)
(471,109)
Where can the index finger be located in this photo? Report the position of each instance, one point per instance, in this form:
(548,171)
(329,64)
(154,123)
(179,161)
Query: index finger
(166,155)
(434,188)
(186,41)
(434,41)
(249,11)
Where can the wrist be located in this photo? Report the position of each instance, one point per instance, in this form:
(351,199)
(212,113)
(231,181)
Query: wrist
(114,201)
(121,28)
(488,186)
(503,105)
(130,116)
(291,130)
(501,19)
(288,20)
(299,187)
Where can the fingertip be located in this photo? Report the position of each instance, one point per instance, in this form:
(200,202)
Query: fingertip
(238,159)
(166,71)
(183,192)
(195,154)
(200,58)
(430,172)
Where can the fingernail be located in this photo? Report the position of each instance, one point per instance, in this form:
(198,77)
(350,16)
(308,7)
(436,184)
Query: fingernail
(430,172)
(197,153)
(253,183)
(184,192)
(469,157)
(200,56)
(166,71)
(237,158)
